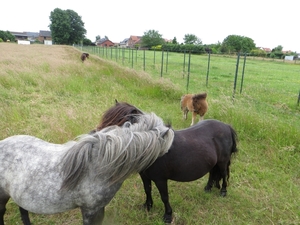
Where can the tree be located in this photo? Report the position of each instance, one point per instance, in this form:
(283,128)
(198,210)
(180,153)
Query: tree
(7,36)
(191,39)
(151,38)
(215,48)
(237,43)
(174,41)
(78,31)
(98,38)
(277,52)
(87,41)
(277,49)
(66,26)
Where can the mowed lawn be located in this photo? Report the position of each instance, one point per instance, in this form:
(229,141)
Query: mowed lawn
(47,92)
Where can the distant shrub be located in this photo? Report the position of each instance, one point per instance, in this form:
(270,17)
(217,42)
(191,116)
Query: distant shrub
(157,47)
(258,52)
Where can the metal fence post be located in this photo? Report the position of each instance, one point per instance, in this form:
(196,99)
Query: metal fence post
(245,56)
(183,71)
(154,57)
(208,63)
(167,61)
(132,58)
(144,64)
(236,74)
(188,75)
(162,62)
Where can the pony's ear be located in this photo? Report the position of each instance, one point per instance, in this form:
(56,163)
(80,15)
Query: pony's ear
(93,131)
(116,101)
(135,111)
(168,123)
(162,134)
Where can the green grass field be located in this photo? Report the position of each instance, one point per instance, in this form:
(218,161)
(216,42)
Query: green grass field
(47,92)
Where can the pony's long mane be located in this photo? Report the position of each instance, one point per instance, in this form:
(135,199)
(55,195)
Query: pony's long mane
(116,152)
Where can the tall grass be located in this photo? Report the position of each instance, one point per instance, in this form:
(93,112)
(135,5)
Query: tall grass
(46,91)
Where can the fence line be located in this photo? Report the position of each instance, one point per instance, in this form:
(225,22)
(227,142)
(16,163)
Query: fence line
(146,60)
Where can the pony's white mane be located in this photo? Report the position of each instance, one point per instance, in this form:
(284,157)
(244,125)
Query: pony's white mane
(116,152)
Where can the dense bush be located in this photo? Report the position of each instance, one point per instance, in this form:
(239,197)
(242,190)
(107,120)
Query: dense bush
(6,36)
(181,48)
(258,52)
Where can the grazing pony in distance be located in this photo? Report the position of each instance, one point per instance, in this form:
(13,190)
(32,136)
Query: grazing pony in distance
(84,56)
(47,178)
(204,148)
(195,103)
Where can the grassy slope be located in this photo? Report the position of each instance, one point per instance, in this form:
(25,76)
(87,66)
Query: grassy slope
(47,92)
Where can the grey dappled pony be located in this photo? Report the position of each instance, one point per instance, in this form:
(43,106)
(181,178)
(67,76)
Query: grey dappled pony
(47,178)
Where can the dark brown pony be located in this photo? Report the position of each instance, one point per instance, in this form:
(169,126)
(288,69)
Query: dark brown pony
(203,148)
(84,56)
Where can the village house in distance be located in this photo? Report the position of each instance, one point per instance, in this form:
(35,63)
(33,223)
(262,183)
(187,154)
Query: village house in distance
(43,36)
(131,42)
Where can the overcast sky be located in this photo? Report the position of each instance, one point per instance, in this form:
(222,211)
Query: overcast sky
(268,22)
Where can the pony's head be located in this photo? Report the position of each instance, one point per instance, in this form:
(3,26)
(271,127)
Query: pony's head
(199,103)
(120,113)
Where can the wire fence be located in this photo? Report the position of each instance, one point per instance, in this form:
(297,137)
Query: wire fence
(182,65)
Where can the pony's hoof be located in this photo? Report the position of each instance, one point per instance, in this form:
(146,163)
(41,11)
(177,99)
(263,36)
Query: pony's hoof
(147,206)
(168,219)
(223,193)
(207,189)
(217,184)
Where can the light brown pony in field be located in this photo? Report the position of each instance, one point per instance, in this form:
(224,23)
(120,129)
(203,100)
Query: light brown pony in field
(84,56)
(196,103)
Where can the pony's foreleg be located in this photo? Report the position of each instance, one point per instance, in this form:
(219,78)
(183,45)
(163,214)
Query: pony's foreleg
(3,202)
(193,118)
(25,216)
(2,212)
(185,112)
(148,189)
(210,182)
(92,216)
(201,118)
(162,187)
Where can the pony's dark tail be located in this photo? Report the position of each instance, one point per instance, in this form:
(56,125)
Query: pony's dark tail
(234,150)
(216,171)
(234,140)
